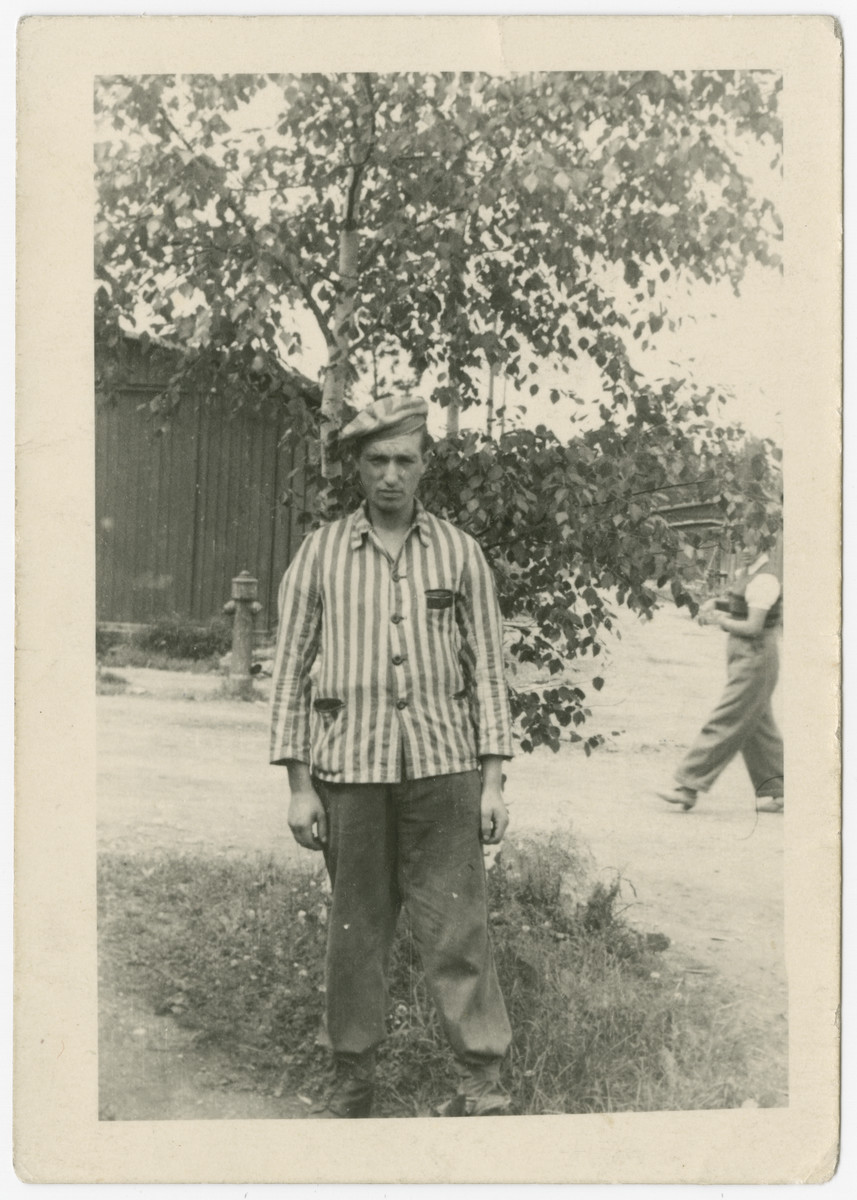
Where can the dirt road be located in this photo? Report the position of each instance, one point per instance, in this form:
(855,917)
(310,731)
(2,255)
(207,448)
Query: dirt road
(181,768)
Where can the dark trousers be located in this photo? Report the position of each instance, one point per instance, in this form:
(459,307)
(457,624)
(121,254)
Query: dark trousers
(416,844)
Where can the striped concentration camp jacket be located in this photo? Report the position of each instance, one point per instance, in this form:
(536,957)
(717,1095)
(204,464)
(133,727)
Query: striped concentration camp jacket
(389,670)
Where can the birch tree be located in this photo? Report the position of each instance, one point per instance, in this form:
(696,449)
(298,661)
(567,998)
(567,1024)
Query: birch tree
(452,228)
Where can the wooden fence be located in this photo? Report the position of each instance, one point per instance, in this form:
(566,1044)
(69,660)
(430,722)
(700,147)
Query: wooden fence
(179,513)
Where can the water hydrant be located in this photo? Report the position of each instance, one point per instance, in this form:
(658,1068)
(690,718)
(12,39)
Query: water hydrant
(244,606)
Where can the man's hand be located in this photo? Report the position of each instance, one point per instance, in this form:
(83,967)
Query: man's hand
(307,819)
(495,818)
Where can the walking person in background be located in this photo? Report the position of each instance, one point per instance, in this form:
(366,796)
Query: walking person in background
(391,713)
(743,721)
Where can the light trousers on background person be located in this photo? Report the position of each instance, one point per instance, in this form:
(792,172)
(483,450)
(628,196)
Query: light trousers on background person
(414,844)
(742,721)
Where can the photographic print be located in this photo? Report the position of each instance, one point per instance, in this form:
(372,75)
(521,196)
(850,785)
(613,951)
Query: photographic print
(447,523)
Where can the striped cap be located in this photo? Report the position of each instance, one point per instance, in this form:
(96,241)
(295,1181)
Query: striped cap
(392,416)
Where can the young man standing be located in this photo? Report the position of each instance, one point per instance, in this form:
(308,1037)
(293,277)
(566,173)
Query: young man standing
(391,713)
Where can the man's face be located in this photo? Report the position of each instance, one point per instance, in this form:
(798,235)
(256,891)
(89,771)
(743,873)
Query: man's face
(390,472)
(748,552)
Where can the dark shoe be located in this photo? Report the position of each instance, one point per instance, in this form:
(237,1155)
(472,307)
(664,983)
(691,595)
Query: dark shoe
(353,1087)
(773,804)
(686,797)
(478,1097)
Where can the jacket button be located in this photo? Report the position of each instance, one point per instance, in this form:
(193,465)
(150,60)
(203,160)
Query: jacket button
(398,659)
(396,577)
(396,618)
(401,704)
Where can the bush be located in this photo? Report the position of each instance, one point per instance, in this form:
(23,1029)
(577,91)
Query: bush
(176,637)
(105,640)
(601,1022)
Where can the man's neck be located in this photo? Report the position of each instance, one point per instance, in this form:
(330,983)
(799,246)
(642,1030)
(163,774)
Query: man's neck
(392,523)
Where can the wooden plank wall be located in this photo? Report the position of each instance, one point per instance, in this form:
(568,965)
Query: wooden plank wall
(178,514)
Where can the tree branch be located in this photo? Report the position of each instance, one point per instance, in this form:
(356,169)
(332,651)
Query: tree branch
(666,487)
(168,121)
(378,244)
(292,271)
(314,307)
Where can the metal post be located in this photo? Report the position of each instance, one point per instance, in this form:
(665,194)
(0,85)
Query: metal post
(244,606)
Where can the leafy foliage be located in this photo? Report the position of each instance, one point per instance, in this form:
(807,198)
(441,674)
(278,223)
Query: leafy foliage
(498,216)
(431,225)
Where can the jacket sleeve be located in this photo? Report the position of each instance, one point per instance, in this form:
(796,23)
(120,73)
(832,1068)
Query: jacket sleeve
(481,626)
(298,637)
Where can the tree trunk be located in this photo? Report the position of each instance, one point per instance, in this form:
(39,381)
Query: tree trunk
(454,411)
(338,357)
(336,374)
(452,418)
(492,375)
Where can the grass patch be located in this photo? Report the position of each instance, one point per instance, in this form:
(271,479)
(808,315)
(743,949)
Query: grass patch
(179,638)
(168,644)
(128,654)
(108,683)
(603,1020)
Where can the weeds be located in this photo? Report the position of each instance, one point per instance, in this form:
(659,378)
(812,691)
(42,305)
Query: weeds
(108,683)
(602,1022)
(170,643)
(129,655)
(105,640)
(176,637)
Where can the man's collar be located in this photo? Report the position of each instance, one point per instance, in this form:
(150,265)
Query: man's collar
(361,525)
(422,522)
(758,562)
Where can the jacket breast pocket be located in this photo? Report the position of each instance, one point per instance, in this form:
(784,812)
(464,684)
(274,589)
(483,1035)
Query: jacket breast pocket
(438,599)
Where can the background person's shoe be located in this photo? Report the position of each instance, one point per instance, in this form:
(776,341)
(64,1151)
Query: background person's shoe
(353,1088)
(773,804)
(686,797)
